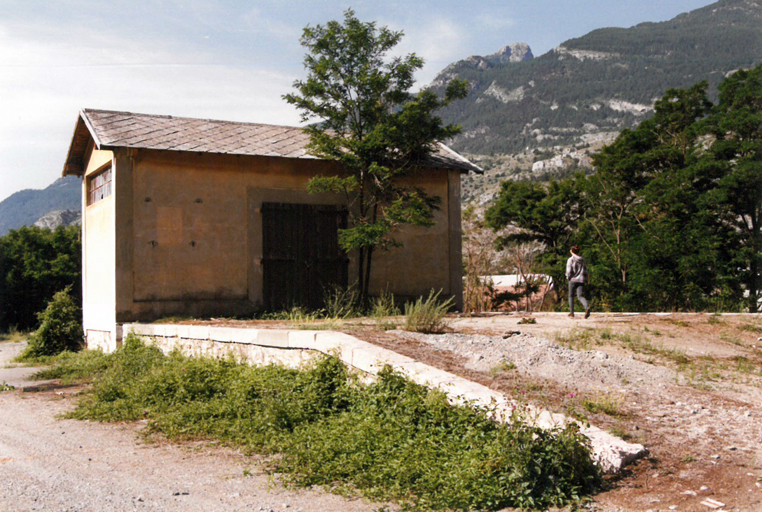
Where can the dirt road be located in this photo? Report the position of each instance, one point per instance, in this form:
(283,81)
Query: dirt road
(53,464)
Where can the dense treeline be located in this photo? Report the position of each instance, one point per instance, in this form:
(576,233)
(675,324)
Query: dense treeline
(672,218)
(35,264)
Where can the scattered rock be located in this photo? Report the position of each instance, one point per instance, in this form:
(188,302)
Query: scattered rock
(713,504)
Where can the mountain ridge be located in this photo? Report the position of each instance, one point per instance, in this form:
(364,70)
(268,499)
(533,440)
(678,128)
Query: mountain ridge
(589,88)
(25,207)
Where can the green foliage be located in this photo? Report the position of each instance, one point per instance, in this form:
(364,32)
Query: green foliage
(60,328)
(366,119)
(34,264)
(671,218)
(427,315)
(389,440)
(74,367)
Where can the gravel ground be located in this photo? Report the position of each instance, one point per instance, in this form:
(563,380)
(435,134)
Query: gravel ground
(587,369)
(700,422)
(59,465)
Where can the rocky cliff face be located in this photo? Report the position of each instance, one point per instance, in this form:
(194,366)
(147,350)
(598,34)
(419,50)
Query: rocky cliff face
(54,219)
(518,52)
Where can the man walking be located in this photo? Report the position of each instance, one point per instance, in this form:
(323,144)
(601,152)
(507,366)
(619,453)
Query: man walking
(576,274)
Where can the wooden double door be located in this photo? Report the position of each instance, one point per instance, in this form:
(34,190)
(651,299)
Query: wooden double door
(301,254)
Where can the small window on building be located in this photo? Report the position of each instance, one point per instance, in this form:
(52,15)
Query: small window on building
(99,186)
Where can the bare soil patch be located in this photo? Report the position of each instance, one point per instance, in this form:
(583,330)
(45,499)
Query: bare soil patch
(686,386)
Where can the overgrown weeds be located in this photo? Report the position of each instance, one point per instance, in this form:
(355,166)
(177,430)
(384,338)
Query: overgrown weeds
(583,339)
(13,335)
(608,404)
(342,302)
(388,440)
(383,308)
(427,315)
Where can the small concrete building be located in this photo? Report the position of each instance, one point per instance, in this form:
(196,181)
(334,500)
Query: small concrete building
(193,217)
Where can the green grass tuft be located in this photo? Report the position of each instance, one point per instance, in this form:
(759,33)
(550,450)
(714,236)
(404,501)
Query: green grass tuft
(427,315)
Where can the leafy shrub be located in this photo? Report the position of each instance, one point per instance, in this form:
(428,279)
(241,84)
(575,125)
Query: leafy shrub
(389,440)
(60,328)
(427,315)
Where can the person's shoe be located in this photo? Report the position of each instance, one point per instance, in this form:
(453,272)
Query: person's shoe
(587,311)
(570,315)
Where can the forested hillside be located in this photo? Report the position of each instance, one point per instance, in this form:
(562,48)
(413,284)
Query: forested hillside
(590,88)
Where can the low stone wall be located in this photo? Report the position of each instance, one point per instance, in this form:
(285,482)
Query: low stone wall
(294,348)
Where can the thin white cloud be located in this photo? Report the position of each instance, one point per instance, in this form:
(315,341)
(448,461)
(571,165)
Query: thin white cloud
(439,41)
(487,22)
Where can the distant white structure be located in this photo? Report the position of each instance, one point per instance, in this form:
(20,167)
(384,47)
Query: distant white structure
(511,280)
(514,283)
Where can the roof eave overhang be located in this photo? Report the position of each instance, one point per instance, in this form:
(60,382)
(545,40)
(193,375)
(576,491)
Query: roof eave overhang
(83,136)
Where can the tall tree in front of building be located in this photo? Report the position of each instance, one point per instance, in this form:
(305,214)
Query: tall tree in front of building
(364,116)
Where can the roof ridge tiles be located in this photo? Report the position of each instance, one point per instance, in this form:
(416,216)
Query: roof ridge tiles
(111,129)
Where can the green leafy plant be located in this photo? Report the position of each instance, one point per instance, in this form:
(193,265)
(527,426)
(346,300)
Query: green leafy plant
(60,328)
(427,315)
(388,440)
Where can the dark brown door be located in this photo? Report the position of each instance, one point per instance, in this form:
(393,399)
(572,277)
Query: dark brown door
(302,257)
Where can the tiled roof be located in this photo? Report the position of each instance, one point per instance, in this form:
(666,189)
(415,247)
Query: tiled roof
(110,130)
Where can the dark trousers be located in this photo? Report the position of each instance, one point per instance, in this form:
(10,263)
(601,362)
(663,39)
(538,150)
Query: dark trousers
(580,290)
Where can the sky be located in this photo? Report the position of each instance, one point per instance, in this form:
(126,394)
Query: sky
(232,59)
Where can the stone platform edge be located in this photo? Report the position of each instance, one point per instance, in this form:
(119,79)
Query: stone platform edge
(289,347)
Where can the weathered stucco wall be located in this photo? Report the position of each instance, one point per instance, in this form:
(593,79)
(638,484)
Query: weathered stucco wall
(192,244)
(98,258)
(424,261)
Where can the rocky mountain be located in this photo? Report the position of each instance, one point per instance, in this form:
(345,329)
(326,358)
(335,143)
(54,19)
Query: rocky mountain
(26,207)
(588,89)
(54,219)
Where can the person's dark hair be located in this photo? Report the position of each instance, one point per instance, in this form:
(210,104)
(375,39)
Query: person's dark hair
(575,249)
